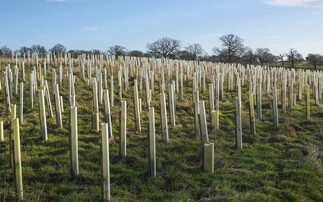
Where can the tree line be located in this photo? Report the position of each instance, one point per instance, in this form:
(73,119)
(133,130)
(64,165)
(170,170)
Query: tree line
(232,50)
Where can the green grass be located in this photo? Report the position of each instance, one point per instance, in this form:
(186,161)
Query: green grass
(297,65)
(275,164)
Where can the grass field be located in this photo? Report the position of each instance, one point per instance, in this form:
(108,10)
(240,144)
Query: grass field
(276,164)
(298,65)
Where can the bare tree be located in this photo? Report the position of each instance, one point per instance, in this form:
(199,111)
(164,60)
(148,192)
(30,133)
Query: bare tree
(264,55)
(136,53)
(58,49)
(219,55)
(281,58)
(5,51)
(315,59)
(291,56)
(184,55)
(74,53)
(299,57)
(165,47)
(194,51)
(96,52)
(40,50)
(117,50)
(23,51)
(248,57)
(232,48)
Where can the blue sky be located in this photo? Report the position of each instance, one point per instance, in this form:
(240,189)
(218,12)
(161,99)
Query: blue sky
(97,24)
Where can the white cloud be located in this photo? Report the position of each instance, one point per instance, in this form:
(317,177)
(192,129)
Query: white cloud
(291,3)
(91,29)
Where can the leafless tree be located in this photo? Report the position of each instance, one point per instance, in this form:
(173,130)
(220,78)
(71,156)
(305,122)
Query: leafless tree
(117,50)
(95,52)
(136,53)
(248,57)
(5,51)
(281,58)
(315,59)
(58,49)
(38,49)
(194,51)
(23,51)
(232,49)
(184,55)
(299,57)
(165,47)
(264,55)
(291,56)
